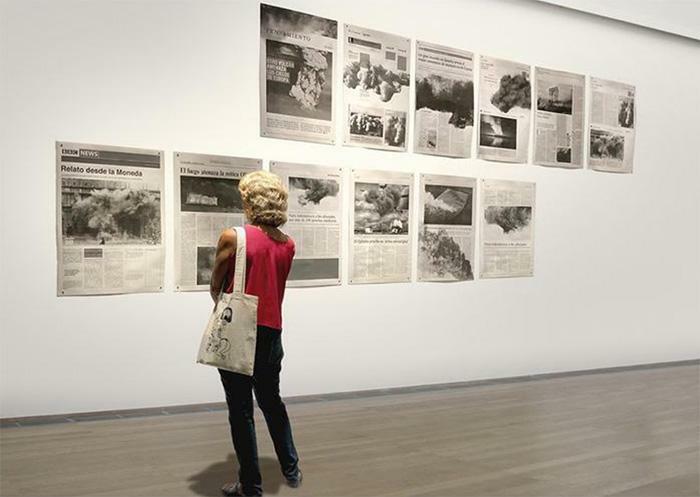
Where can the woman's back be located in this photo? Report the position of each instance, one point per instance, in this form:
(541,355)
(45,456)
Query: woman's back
(268,262)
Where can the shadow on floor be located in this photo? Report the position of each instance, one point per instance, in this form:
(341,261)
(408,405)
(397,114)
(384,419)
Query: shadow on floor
(208,482)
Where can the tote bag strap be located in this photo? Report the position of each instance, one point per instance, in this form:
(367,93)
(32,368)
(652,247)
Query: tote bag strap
(239,272)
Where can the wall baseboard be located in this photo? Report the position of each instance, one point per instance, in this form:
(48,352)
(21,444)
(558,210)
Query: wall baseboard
(80,417)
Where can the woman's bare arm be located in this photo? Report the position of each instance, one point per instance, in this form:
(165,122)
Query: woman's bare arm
(225,249)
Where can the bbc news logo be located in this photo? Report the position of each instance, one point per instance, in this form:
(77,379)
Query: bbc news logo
(90,154)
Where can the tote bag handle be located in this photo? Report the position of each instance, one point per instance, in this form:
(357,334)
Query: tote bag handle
(239,271)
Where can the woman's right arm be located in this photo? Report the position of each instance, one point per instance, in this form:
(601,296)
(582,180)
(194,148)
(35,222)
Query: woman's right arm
(225,249)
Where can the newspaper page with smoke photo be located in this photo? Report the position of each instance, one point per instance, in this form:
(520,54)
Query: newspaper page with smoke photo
(207,202)
(504,110)
(314,221)
(380,242)
(559,118)
(611,127)
(446,228)
(376,87)
(444,118)
(507,229)
(297,52)
(109,213)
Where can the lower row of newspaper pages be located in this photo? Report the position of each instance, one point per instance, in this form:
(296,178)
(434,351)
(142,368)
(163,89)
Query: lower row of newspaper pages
(110,221)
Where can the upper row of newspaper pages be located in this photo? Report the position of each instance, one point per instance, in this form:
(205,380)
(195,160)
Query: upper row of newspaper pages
(297,79)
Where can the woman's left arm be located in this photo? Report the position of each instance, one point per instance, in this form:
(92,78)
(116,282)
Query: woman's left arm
(225,249)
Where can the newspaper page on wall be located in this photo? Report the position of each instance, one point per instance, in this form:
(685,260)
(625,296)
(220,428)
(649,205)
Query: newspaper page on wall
(611,146)
(444,118)
(559,118)
(207,201)
(380,242)
(446,228)
(376,87)
(297,54)
(109,214)
(314,221)
(504,110)
(507,229)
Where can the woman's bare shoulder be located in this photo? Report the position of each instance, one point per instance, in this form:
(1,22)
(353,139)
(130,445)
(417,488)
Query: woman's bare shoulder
(228,238)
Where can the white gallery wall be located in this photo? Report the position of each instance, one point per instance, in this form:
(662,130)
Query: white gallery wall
(617,269)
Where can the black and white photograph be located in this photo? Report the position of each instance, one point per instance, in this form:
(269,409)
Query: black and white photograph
(381,209)
(315,269)
(445,95)
(206,194)
(205,264)
(449,205)
(102,212)
(625,116)
(564,155)
(498,132)
(607,145)
(513,91)
(507,223)
(395,129)
(299,80)
(313,194)
(441,256)
(366,124)
(375,79)
(555,98)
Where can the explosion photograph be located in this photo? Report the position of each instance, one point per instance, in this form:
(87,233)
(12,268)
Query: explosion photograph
(101,212)
(499,132)
(508,222)
(313,194)
(450,205)
(381,208)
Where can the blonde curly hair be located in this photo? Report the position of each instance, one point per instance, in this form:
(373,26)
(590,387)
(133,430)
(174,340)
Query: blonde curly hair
(264,198)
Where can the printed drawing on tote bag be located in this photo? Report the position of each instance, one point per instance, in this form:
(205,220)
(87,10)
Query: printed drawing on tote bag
(231,334)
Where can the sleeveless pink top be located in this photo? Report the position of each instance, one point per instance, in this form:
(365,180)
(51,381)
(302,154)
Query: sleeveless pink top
(267,266)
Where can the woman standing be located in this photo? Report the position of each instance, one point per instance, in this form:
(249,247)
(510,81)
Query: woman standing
(269,255)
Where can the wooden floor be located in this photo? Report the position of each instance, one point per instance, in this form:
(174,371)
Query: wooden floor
(626,433)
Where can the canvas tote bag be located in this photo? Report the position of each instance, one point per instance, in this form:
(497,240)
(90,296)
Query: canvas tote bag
(229,339)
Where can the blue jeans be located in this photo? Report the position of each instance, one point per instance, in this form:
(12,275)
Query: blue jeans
(266,383)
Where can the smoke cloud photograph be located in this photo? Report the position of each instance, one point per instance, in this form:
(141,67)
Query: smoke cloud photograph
(313,194)
(381,208)
(203,194)
(444,95)
(450,205)
(513,91)
(499,132)
(508,223)
(102,212)
(607,145)
(374,79)
(299,80)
